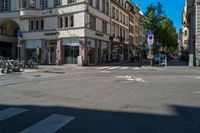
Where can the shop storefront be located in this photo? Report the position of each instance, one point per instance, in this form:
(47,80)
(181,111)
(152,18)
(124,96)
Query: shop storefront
(71,50)
(33,50)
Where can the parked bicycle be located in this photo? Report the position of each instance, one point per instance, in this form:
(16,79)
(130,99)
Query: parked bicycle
(29,63)
(11,66)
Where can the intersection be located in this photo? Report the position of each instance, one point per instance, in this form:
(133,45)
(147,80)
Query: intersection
(101,99)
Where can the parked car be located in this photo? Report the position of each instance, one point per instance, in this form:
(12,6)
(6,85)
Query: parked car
(160,59)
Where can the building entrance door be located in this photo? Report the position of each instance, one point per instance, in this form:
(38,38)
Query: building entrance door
(71,54)
(51,53)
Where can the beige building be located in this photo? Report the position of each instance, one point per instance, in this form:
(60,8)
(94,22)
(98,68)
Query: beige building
(119,30)
(193,20)
(56,31)
(66,31)
(185,30)
(134,29)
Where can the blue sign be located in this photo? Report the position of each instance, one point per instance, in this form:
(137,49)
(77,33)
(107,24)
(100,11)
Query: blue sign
(19,34)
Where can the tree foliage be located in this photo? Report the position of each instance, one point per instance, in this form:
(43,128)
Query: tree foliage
(162,27)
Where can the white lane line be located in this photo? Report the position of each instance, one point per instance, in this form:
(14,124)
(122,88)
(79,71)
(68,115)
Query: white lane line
(100,68)
(197,77)
(124,68)
(10,112)
(49,125)
(113,68)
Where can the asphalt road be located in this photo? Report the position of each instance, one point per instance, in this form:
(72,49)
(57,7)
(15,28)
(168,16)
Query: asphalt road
(107,99)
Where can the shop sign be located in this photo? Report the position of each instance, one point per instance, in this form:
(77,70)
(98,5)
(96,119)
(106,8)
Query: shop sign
(71,41)
(51,33)
(33,44)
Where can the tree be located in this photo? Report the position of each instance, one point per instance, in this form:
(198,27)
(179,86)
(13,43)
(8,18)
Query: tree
(162,27)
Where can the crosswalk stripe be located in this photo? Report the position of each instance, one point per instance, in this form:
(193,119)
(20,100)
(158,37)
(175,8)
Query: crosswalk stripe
(111,68)
(123,68)
(100,68)
(10,112)
(49,125)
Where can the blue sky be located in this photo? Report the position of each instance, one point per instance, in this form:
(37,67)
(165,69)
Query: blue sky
(173,8)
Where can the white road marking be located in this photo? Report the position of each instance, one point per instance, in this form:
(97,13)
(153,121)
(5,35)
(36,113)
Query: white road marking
(130,78)
(100,68)
(10,112)
(111,68)
(123,68)
(198,92)
(197,77)
(105,71)
(136,68)
(49,125)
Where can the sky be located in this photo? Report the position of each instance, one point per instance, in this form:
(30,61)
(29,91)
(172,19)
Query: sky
(173,8)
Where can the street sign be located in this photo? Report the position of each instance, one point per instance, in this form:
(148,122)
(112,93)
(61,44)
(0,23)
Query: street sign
(150,39)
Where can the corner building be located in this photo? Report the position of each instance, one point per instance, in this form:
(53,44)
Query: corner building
(56,31)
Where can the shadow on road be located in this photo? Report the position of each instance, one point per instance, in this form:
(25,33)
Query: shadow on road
(185,120)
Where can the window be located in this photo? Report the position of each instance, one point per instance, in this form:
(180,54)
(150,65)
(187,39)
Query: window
(97,4)
(185,33)
(113,12)
(5,5)
(61,22)
(37,25)
(66,22)
(72,21)
(120,17)
(42,24)
(107,8)
(57,2)
(103,6)
(91,2)
(31,25)
(44,3)
(117,15)
(123,19)
(31,3)
(92,22)
(71,1)
(104,27)
(24,4)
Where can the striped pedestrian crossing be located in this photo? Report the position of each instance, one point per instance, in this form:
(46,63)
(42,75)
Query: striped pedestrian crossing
(118,68)
(50,124)
(10,112)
